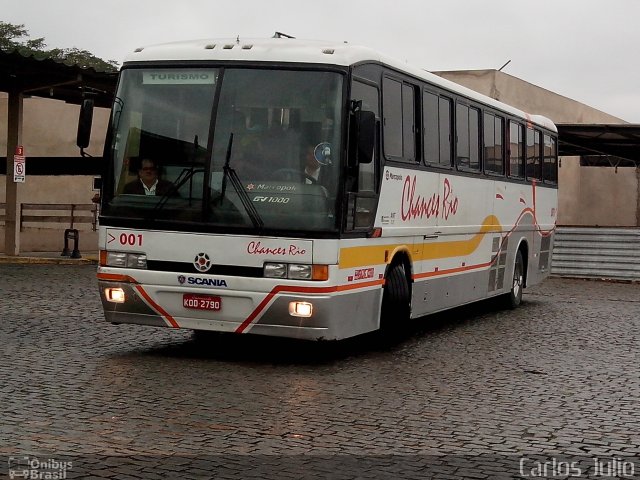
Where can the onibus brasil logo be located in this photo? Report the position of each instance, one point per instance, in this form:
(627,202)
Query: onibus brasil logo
(36,468)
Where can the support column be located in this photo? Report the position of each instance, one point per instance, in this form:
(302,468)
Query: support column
(638,196)
(14,138)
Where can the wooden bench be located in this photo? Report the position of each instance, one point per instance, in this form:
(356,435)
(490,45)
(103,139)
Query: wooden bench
(67,214)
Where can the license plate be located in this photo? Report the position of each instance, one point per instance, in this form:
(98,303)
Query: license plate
(201,302)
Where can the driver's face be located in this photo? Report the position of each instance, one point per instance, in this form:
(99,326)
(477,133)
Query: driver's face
(148,172)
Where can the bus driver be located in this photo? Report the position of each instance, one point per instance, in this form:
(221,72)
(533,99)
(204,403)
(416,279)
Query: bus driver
(148,182)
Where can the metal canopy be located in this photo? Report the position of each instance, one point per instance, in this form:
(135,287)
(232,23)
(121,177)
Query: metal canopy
(36,75)
(618,140)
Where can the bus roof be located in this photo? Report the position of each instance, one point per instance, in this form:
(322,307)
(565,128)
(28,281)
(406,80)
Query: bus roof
(290,50)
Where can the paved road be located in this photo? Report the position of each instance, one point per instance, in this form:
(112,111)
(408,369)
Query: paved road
(476,392)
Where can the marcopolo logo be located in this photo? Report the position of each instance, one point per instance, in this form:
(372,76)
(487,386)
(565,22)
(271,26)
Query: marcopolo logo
(391,176)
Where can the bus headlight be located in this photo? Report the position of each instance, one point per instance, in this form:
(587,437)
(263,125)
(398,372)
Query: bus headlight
(300,309)
(114,295)
(296,271)
(136,260)
(299,272)
(275,270)
(116,259)
(126,260)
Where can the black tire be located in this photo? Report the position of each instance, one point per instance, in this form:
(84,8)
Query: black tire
(396,301)
(513,299)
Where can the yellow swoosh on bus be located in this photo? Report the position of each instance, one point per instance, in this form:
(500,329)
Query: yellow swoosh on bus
(351,257)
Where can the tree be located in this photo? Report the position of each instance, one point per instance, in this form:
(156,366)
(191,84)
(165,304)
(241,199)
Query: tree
(17,37)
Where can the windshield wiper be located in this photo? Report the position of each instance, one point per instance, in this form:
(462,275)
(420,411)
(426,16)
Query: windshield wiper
(186,174)
(231,174)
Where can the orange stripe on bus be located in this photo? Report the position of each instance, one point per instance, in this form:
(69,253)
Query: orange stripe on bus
(466,268)
(296,289)
(157,307)
(274,291)
(352,257)
(355,286)
(116,277)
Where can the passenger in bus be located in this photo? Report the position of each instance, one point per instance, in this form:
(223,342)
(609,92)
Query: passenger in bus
(311,165)
(148,181)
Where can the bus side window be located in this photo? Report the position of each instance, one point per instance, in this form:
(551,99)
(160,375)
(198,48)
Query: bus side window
(368,94)
(362,196)
(550,160)
(493,144)
(444,117)
(468,138)
(516,150)
(436,120)
(399,118)
(408,123)
(533,154)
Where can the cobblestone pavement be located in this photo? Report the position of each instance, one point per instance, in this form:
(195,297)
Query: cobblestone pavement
(477,392)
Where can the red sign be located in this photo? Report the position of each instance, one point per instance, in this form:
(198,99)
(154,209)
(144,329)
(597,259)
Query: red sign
(363,273)
(19,150)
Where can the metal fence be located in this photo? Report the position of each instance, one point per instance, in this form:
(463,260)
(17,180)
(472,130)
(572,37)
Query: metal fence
(604,253)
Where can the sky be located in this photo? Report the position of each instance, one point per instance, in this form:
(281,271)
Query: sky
(581,49)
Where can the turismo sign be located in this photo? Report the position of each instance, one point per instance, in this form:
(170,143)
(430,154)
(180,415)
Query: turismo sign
(179,77)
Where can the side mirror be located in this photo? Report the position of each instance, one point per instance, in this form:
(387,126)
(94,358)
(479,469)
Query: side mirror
(366,135)
(84,123)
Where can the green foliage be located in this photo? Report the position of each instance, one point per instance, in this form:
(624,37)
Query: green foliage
(17,37)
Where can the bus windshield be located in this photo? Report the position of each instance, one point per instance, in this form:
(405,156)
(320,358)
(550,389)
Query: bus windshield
(240,148)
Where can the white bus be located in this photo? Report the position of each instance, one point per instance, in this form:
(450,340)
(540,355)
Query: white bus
(314,190)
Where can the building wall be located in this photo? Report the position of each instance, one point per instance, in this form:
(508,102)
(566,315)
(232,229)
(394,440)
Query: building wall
(596,196)
(587,196)
(49,130)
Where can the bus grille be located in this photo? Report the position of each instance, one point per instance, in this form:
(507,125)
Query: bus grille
(183,267)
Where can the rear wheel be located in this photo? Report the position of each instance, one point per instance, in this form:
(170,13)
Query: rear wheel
(514,298)
(396,302)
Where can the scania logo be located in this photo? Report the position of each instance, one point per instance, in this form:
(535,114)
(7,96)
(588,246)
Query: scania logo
(202,262)
(208,282)
(203,282)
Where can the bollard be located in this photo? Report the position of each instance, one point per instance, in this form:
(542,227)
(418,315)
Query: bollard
(71,234)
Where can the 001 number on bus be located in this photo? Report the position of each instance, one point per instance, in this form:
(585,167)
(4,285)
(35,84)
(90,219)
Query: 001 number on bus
(201,302)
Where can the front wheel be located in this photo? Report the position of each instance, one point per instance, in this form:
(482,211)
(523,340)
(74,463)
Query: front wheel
(396,301)
(514,298)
